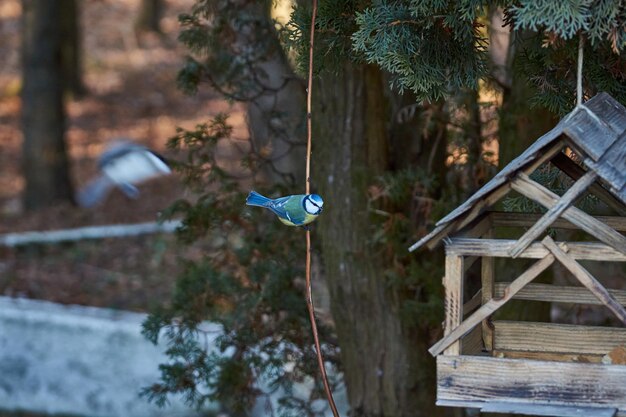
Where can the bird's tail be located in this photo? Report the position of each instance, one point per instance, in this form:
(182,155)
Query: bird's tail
(256,199)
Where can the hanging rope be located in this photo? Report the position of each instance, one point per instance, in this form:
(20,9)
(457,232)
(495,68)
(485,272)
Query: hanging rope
(579,72)
(309,295)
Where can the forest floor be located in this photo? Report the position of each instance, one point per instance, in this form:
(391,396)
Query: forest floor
(131,83)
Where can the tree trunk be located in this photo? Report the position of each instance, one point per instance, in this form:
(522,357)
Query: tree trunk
(149,17)
(45,163)
(387,369)
(71,49)
(276,118)
(520,125)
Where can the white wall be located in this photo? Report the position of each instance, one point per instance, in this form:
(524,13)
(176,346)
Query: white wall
(78,360)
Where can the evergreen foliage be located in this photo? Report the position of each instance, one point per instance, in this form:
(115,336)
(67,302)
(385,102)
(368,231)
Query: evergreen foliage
(434,48)
(218,33)
(249,280)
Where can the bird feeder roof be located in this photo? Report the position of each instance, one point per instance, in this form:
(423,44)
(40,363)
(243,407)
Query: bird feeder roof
(596,130)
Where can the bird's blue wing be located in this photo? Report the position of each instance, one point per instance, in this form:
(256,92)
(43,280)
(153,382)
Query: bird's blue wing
(278,207)
(289,208)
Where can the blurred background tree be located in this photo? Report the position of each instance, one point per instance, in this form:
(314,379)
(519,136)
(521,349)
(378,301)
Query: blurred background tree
(45,163)
(405,100)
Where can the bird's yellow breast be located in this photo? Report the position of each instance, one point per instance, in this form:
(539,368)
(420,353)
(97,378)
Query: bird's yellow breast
(308,218)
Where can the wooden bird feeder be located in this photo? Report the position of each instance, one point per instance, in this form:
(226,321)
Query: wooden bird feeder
(529,367)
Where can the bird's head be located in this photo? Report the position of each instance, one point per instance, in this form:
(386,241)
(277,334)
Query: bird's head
(313,204)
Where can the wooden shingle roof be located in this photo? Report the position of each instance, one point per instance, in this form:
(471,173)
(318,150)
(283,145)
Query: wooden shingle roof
(596,130)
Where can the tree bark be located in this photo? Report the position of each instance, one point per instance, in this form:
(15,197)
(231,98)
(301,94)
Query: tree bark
(276,118)
(71,51)
(386,367)
(44,159)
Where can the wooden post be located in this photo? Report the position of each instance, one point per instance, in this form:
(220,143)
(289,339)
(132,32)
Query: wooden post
(487,279)
(451,337)
(453,283)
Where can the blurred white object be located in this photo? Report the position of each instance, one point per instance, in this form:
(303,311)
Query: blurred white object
(123,165)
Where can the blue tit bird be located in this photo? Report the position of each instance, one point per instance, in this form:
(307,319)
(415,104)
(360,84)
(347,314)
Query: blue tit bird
(292,210)
(123,165)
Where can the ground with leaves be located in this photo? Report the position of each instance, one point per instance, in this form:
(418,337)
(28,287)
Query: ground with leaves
(131,81)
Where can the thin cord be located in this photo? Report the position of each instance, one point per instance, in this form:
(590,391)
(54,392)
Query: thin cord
(309,293)
(579,72)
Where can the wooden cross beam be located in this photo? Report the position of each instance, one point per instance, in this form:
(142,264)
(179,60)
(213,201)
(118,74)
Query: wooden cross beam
(529,188)
(574,171)
(554,212)
(586,279)
(492,305)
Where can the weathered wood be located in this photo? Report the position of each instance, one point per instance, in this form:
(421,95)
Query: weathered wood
(574,171)
(561,338)
(542,148)
(435,235)
(469,262)
(504,189)
(589,133)
(559,294)
(481,205)
(586,279)
(553,213)
(476,378)
(529,188)
(487,279)
(478,228)
(506,219)
(547,410)
(499,248)
(453,283)
(452,336)
(548,356)
(473,303)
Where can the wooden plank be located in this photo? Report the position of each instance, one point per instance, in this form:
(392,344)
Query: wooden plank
(529,188)
(535,409)
(499,248)
(478,378)
(491,306)
(559,294)
(493,191)
(548,356)
(574,171)
(473,303)
(553,213)
(437,234)
(453,283)
(589,133)
(481,205)
(546,410)
(487,278)
(478,228)
(469,262)
(586,279)
(560,338)
(505,219)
